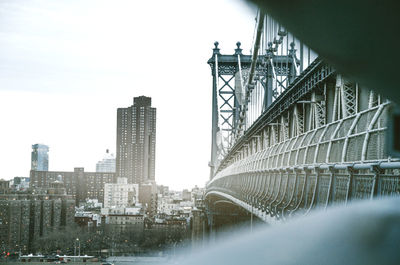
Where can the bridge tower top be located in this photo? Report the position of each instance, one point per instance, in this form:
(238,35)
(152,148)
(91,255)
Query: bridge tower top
(239,80)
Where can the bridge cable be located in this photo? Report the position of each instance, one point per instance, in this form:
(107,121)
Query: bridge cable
(249,86)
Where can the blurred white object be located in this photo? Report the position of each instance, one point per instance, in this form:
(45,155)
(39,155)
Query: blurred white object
(364,232)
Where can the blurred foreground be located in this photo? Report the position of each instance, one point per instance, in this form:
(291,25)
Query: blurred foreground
(364,232)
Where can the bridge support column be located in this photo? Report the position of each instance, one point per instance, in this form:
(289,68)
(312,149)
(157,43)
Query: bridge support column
(212,229)
(198,225)
(215,127)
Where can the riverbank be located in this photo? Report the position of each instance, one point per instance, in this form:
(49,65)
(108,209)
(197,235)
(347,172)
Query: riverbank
(123,260)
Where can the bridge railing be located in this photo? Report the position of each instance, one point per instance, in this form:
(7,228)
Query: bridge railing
(331,164)
(356,139)
(287,192)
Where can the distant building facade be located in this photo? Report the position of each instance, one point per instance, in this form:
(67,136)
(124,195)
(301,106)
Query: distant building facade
(80,184)
(87,219)
(136,141)
(125,218)
(24,217)
(163,190)
(107,164)
(120,194)
(19,183)
(186,195)
(40,157)
(4,186)
(90,204)
(148,198)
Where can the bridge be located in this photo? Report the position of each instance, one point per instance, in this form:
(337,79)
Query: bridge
(290,134)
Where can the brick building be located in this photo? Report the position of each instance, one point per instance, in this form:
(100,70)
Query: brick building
(25,217)
(78,183)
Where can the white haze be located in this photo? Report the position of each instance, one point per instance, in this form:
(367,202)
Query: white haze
(364,233)
(67,65)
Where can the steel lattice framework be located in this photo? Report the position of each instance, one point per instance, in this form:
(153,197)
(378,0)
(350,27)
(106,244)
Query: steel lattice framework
(298,135)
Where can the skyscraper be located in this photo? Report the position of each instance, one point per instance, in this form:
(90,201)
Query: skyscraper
(40,157)
(136,141)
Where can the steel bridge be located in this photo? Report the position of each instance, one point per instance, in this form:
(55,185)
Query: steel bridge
(290,134)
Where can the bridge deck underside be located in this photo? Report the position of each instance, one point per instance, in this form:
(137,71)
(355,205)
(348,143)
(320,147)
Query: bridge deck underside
(288,192)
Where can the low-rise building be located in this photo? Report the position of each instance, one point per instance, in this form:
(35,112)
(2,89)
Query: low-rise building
(87,218)
(148,197)
(121,219)
(19,184)
(163,190)
(91,204)
(4,186)
(186,195)
(120,194)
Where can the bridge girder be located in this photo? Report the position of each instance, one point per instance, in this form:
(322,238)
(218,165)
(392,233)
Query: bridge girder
(278,194)
(319,143)
(319,138)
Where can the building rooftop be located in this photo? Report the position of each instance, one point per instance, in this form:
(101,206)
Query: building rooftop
(142,101)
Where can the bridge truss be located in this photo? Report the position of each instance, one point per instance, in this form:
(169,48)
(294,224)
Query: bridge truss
(291,134)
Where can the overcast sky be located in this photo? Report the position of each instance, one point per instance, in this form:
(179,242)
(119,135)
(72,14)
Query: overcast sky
(67,65)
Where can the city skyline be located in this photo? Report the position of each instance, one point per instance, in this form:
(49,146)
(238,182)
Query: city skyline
(63,88)
(254,133)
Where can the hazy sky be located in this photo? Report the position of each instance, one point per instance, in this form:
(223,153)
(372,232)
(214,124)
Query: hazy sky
(67,65)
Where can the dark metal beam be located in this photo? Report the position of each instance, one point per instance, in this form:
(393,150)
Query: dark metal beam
(359,37)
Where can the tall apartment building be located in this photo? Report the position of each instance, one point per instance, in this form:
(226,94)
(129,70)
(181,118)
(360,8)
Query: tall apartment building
(136,141)
(40,157)
(82,185)
(24,217)
(107,164)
